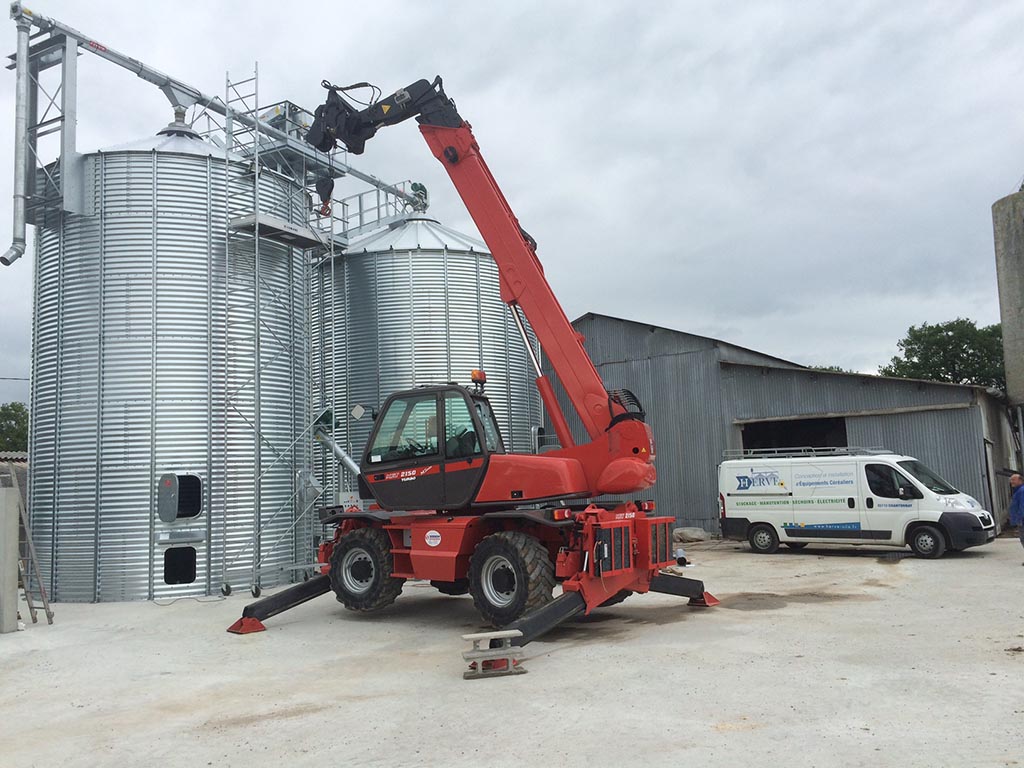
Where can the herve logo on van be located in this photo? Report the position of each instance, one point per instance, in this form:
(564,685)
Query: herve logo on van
(755,479)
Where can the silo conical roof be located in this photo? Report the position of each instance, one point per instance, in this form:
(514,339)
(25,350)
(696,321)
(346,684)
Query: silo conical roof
(178,142)
(417,234)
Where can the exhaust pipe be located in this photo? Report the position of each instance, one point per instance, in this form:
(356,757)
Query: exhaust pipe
(17,249)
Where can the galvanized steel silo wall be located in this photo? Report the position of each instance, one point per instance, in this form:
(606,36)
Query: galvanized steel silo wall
(144,364)
(417,304)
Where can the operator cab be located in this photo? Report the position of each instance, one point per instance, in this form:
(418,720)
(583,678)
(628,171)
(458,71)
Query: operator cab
(429,447)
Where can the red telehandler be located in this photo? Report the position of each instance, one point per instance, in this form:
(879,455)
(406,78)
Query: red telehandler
(451,505)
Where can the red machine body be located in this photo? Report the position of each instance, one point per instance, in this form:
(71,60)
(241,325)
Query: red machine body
(494,524)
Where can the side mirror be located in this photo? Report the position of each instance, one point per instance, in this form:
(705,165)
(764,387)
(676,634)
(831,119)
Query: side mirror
(359,411)
(907,494)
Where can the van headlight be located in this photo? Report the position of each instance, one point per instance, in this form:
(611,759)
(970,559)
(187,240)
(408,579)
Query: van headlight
(955,504)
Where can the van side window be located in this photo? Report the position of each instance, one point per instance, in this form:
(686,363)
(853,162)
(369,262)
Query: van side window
(883,480)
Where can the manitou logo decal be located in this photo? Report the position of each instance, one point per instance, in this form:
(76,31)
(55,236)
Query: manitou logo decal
(766,479)
(405,475)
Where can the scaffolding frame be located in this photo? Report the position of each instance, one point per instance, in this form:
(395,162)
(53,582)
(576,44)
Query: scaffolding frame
(272,140)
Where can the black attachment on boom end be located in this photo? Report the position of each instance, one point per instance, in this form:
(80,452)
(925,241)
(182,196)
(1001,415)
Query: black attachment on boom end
(337,120)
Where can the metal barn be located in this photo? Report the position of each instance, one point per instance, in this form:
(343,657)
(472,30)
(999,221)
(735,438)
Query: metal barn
(706,396)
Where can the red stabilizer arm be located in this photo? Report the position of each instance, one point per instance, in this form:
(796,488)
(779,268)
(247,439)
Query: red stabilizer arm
(245,625)
(707,600)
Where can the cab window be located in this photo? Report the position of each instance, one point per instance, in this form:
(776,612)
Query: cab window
(885,481)
(492,437)
(460,438)
(408,430)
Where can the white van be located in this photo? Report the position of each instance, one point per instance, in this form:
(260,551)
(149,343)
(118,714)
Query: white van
(807,496)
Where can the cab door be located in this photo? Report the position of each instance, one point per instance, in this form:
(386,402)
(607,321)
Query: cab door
(402,463)
(890,502)
(465,457)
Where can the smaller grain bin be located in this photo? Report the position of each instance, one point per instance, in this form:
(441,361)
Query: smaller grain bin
(415,304)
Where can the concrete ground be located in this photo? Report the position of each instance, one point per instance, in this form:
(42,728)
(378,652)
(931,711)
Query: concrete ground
(824,657)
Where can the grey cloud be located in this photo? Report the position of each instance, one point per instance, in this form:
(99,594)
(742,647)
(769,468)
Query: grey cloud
(808,180)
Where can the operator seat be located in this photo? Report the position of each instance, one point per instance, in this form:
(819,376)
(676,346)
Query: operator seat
(462,446)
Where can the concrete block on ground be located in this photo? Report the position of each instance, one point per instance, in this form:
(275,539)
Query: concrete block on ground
(687,535)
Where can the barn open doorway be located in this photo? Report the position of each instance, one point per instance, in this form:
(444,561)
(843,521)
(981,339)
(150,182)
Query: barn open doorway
(795,433)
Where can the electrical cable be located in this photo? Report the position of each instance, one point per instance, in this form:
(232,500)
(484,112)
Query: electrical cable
(375,92)
(164,602)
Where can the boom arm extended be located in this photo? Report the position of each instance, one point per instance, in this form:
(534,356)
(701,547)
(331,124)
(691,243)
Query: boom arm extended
(619,457)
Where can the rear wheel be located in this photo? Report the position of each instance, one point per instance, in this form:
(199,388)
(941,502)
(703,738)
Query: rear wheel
(510,574)
(763,539)
(928,542)
(361,567)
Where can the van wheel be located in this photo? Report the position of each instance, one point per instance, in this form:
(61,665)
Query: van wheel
(796,544)
(763,539)
(928,542)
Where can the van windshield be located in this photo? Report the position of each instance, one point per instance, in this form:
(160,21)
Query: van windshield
(926,477)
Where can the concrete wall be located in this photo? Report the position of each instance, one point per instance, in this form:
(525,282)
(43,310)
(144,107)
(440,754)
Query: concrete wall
(1008,226)
(9,514)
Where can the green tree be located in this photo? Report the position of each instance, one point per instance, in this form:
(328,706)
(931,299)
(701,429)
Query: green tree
(830,368)
(13,427)
(957,351)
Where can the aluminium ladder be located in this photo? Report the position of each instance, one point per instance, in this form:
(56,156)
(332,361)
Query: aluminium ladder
(28,563)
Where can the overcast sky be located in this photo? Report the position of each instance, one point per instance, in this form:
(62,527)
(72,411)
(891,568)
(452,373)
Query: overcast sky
(805,179)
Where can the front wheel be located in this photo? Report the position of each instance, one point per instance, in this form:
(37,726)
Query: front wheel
(361,567)
(763,539)
(928,542)
(510,574)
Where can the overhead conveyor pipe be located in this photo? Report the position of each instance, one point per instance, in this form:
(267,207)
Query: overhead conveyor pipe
(336,449)
(17,249)
(178,93)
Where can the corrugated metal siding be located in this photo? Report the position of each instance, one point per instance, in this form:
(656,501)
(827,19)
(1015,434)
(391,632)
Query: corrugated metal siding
(132,328)
(757,392)
(681,395)
(611,340)
(950,442)
(386,321)
(615,339)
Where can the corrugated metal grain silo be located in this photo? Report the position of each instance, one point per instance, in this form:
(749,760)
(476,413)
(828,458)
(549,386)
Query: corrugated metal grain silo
(147,373)
(417,303)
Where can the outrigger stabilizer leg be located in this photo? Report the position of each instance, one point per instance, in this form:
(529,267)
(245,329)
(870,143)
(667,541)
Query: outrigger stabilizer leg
(670,584)
(254,613)
(569,604)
